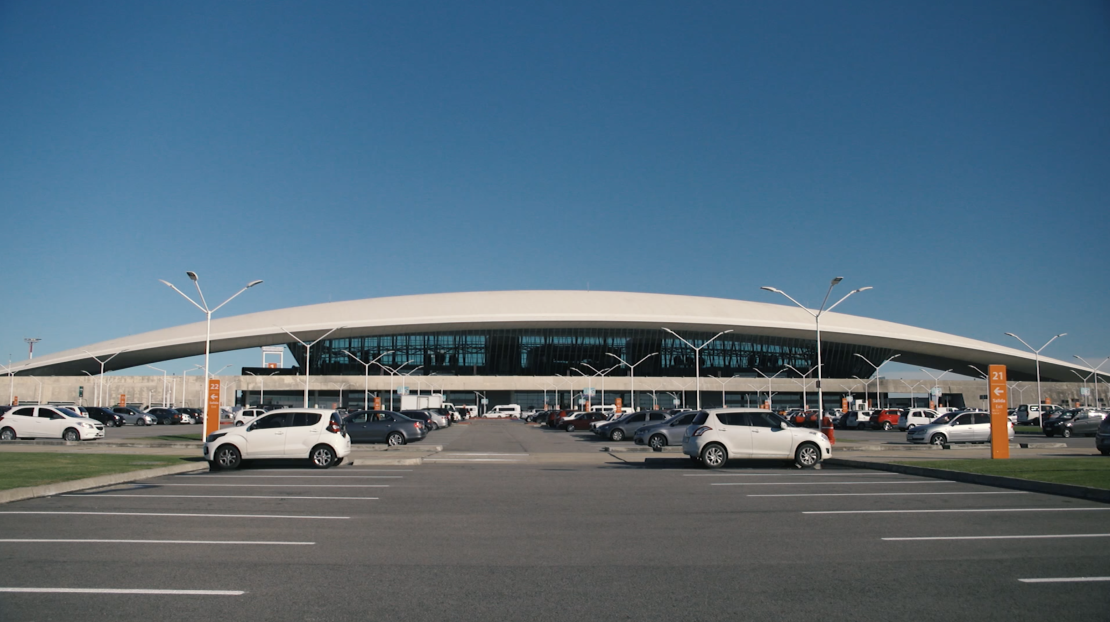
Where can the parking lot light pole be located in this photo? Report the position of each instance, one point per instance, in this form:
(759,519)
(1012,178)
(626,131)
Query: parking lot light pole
(983,376)
(164,391)
(769,385)
(1086,398)
(697,359)
(1037,357)
(912,389)
(602,373)
(262,389)
(817,321)
(392,372)
(308,357)
(208,330)
(878,402)
(11,380)
(936,380)
(366,377)
(632,368)
(802,382)
(1094,370)
(100,382)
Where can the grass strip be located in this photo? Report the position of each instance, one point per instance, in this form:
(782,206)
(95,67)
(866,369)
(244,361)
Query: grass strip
(18,470)
(1092,471)
(175,438)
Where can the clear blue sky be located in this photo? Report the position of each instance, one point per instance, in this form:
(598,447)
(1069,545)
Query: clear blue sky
(953,155)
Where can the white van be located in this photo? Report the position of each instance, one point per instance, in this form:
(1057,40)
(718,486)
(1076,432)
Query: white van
(504,411)
(916,417)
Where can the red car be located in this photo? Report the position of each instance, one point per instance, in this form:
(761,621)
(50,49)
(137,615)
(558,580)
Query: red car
(886,418)
(580,421)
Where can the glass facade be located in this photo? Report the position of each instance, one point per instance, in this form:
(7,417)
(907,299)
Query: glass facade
(547,352)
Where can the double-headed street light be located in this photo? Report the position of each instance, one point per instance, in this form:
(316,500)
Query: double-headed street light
(817,321)
(392,372)
(697,359)
(633,373)
(602,373)
(768,385)
(878,402)
(308,357)
(936,380)
(1037,356)
(207,335)
(1094,370)
(262,389)
(100,380)
(165,392)
(366,376)
(802,382)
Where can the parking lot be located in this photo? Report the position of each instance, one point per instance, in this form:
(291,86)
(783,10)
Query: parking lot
(484,531)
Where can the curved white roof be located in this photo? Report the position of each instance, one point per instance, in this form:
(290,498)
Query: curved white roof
(543,309)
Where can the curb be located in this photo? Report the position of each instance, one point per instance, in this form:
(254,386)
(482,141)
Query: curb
(671,449)
(967,446)
(49,490)
(385,462)
(1062,490)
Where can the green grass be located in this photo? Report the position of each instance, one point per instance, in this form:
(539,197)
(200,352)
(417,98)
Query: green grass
(35,469)
(175,438)
(1093,471)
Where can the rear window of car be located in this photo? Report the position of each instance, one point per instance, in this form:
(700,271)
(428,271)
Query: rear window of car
(305,419)
(733,418)
(700,418)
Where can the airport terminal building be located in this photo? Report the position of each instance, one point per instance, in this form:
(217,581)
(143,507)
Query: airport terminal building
(560,348)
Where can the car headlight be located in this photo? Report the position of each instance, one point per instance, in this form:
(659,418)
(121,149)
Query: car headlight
(214,436)
(86,424)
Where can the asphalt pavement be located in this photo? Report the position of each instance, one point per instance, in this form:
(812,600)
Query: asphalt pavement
(510,521)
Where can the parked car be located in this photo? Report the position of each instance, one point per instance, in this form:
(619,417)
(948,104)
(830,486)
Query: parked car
(885,419)
(1077,421)
(313,433)
(383,426)
(504,411)
(959,427)
(442,416)
(1031,414)
(247,415)
(105,416)
(669,432)
(914,417)
(718,435)
(624,427)
(168,416)
(134,416)
(196,413)
(1102,437)
(433,420)
(48,422)
(581,420)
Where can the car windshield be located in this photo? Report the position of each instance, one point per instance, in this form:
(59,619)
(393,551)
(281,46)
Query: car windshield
(69,413)
(1069,414)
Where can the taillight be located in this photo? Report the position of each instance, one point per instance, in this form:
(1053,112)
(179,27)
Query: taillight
(419,424)
(702,430)
(333,427)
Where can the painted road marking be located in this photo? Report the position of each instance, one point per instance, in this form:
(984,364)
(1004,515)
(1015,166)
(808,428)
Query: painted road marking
(292,476)
(48,540)
(787,475)
(80,590)
(1065,580)
(217,497)
(1037,536)
(888,494)
(279,485)
(956,511)
(474,453)
(888,481)
(183,515)
(472,460)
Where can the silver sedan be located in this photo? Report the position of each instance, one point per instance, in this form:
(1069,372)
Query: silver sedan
(968,427)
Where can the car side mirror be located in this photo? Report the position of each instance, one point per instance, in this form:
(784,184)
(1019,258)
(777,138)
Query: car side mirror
(250,428)
(782,425)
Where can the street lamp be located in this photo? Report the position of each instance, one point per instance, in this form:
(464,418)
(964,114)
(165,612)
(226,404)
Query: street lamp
(769,385)
(878,402)
(633,373)
(602,373)
(866,383)
(11,380)
(366,376)
(1095,371)
(936,379)
(1037,356)
(1087,398)
(164,392)
(207,335)
(817,321)
(1021,391)
(262,390)
(724,381)
(983,375)
(697,359)
(912,390)
(803,383)
(392,373)
(100,383)
(308,357)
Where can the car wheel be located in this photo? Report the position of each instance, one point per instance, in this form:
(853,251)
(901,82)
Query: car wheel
(657,441)
(616,435)
(886,425)
(71,435)
(7,434)
(433,426)
(322,456)
(807,455)
(228,457)
(714,456)
(140,421)
(570,427)
(1066,433)
(238,424)
(938,440)
(910,427)
(395,439)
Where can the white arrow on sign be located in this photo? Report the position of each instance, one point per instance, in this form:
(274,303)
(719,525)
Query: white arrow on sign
(998,390)
(213,396)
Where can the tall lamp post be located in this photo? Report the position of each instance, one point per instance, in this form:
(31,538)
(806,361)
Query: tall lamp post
(392,373)
(100,381)
(602,373)
(1037,356)
(1094,370)
(165,393)
(802,382)
(207,335)
(878,402)
(11,381)
(366,376)
(697,358)
(817,321)
(936,380)
(262,386)
(308,357)
(912,389)
(633,373)
(769,385)
(1087,398)
(983,376)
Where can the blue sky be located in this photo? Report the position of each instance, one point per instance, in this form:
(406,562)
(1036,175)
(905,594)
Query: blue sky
(953,155)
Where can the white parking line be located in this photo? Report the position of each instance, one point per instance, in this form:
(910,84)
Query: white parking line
(80,590)
(472,460)
(355,469)
(1033,537)
(786,475)
(220,497)
(886,481)
(889,494)
(474,453)
(957,511)
(182,515)
(280,485)
(50,540)
(301,476)
(1065,580)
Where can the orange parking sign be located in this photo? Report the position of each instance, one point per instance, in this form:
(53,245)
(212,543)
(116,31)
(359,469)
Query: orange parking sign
(1000,423)
(212,413)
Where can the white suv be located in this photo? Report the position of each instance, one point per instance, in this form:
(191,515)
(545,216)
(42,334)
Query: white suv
(314,433)
(722,433)
(916,417)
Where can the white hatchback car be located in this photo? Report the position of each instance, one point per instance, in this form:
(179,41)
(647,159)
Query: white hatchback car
(717,435)
(48,422)
(314,433)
